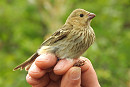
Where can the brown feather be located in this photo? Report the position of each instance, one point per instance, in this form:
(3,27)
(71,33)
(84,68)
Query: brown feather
(27,62)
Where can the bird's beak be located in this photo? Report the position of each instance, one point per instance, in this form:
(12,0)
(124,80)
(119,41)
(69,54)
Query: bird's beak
(91,16)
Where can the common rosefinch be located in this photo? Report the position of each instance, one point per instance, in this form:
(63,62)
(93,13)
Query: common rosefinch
(70,41)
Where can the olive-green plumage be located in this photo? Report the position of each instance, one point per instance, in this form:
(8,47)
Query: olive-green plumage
(70,41)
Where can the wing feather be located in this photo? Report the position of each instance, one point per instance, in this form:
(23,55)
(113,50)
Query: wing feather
(58,35)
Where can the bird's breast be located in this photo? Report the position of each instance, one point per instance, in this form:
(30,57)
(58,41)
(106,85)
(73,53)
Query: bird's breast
(75,44)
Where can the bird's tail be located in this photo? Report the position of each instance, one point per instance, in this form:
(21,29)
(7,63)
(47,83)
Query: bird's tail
(27,63)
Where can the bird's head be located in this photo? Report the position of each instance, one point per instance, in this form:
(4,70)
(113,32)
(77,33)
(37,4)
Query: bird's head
(80,17)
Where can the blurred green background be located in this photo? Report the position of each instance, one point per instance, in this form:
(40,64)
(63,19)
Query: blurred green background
(24,24)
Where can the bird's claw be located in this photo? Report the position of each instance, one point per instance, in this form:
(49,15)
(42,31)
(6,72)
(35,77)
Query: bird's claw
(79,63)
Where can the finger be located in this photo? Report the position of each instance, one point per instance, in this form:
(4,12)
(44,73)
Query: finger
(36,72)
(63,66)
(37,82)
(86,65)
(53,84)
(54,77)
(45,61)
(31,80)
(72,78)
(89,77)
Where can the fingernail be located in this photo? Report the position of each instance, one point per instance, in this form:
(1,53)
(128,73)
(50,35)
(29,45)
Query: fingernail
(75,73)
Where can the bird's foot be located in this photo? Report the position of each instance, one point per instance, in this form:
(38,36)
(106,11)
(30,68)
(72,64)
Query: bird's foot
(80,63)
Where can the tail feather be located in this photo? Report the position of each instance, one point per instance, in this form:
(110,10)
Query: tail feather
(27,62)
(28,66)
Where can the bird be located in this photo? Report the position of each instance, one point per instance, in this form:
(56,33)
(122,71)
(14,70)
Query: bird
(68,42)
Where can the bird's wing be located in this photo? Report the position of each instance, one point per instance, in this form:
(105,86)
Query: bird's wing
(58,35)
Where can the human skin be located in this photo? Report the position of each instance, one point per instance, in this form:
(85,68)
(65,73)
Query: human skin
(47,72)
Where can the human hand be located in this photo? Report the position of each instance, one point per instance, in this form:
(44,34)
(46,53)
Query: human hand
(63,74)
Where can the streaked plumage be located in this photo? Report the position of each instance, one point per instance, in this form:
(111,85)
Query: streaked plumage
(70,41)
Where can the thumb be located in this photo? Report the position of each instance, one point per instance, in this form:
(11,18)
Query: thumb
(72,78)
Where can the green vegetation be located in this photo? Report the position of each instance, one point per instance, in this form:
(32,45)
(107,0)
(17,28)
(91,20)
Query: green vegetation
(25,24)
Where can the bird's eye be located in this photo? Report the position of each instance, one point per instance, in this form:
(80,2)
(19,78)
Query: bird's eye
(81,15)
